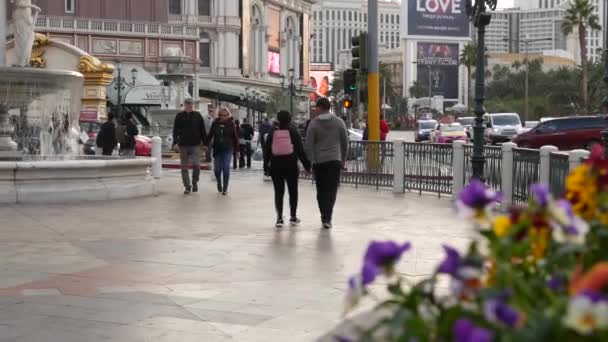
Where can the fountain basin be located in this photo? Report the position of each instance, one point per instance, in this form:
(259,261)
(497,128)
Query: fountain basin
(76,180)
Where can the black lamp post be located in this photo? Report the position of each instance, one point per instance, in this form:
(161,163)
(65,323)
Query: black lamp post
(120,84)
(476,10)
(291,87)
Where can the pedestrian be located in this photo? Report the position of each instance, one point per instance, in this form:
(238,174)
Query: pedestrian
(189,133)
(247,134)
(224,140)
(384,128)
(106,138)
(125,134)
(235,153)
(327,146)
(208,121)
(283,150)
(264,130)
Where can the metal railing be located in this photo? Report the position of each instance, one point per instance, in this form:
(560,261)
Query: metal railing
(428,168)
(491,170)
(368,164)
(559,165)
(526,166)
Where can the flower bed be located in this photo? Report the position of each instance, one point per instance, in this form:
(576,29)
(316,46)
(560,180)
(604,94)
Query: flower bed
(538,273)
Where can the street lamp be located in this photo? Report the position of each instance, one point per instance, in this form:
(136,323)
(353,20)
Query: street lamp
(481,18)
(526,42)
(291,87)
(120,83)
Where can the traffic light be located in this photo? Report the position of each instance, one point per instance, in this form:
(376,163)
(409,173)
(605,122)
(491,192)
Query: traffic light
(359,52)
(350,81)
(347,103)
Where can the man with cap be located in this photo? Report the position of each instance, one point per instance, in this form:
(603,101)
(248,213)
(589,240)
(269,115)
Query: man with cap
(189,133)
(327,147)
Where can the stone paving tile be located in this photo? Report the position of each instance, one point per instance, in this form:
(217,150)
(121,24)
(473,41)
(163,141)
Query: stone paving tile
(202,267)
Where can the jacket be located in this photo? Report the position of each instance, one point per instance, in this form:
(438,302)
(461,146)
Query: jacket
(125,134)
(189,129)
(247,132)
(265,128)
(289,162)
(327,139)
(106,137)
(223,136)
(383,130)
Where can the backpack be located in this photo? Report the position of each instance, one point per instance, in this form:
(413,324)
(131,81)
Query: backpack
(281,143)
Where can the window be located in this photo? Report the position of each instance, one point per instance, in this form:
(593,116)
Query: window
(350,16)
(175,6)
(205,52)
(338,15)
(69,6)
(204,7)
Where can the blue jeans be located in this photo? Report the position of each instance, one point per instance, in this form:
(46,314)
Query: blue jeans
(221,167)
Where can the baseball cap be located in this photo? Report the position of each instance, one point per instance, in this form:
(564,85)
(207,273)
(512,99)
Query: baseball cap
(188,101)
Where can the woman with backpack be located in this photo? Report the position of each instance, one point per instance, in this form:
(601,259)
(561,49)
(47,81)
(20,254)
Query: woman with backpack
(283,150)
(225,140)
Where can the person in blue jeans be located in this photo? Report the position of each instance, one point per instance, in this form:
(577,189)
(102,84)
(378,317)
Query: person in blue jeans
(224,140)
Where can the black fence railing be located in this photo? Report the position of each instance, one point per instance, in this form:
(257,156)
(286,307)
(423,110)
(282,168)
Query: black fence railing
(368,164)
(491,170)
(428,168)
(526,165)
(559,165)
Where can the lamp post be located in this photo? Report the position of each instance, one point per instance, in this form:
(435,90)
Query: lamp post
(120,83)
(526,42)
(291,87)
(481,18)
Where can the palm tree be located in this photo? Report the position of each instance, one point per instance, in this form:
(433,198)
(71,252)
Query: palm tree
(581,16)
(468,58)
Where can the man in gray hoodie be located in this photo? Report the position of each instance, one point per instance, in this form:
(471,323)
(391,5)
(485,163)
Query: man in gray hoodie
(327,147)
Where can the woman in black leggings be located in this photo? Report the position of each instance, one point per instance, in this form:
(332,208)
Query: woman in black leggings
(283,149)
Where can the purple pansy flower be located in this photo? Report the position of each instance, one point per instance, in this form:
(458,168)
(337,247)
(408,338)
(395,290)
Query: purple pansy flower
(384,254)
(566,225)
(594,296)
(466,331)
(540,194)
(451,263)
(497,310)
(477,196)
(557,283)
(369,273)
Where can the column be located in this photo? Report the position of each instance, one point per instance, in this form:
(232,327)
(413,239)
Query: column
(545,163)
(457,167)
(507,172)
(576,158)
(264,52)
(3,24)
(399,167)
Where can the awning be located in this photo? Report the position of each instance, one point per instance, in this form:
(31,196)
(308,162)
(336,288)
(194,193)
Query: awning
(233,93)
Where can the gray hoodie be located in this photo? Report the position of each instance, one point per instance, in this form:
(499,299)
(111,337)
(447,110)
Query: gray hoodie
(327,139)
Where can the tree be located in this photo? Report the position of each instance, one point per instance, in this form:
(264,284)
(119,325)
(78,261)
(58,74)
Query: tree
(580,15)
(418,90)
(468,58)
(337,84)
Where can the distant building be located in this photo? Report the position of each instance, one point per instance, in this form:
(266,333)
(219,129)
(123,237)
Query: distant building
(335,22)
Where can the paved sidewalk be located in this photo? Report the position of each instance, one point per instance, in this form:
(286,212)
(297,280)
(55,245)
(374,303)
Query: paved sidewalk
(201,267)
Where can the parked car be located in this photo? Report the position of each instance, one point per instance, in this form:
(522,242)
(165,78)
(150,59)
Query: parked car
(356,150)
(448,133)
(567,133)
(501,127)
(425,127)
(528,126)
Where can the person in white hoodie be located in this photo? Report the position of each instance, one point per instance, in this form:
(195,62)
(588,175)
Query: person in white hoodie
(327,148)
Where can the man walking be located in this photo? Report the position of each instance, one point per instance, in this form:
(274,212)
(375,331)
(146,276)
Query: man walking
(125,134)
(246,137)
(264,130)
(106,138)
(327,146)
(189,133)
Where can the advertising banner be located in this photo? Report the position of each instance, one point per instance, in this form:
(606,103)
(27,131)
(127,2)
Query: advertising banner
(437,18)
(438,64)
(321,76)
(274,41)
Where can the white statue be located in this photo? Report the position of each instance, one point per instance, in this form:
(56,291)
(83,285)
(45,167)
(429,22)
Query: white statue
(24,18)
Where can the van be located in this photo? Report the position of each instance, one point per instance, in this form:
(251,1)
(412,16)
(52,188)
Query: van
(567,133)
(501,127)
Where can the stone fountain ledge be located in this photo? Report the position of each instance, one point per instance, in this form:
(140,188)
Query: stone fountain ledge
(72,181)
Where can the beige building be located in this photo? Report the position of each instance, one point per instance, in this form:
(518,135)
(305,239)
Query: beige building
(550,62)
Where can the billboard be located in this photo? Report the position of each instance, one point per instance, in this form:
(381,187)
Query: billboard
(437,63)
(437,18)
(321,76)
(274,40)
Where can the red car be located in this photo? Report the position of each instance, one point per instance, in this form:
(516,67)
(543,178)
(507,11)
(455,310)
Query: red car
(567,133)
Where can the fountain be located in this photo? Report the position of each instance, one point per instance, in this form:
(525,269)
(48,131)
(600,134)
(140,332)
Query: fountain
(50,101)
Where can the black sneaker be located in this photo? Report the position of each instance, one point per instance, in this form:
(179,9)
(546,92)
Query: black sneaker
(294,221)
(280,223)
(187,191)
(224,193)
(219,188)
(195,187)
(327,225)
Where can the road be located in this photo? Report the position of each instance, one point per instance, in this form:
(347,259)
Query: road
(405,135)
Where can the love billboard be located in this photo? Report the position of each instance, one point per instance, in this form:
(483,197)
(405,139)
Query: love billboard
(437,18)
